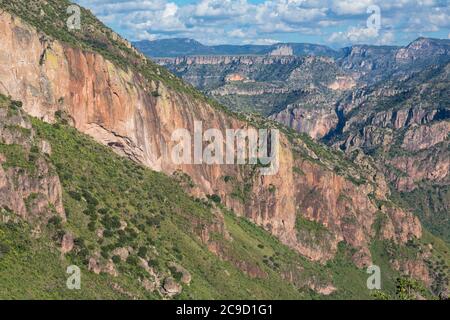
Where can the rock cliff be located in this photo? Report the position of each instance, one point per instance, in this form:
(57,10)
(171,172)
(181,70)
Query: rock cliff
(29,186)
(135,115)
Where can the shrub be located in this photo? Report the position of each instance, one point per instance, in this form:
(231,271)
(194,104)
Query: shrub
(108,233)
(105,254)
(16,104)
(91,226)
(133,260)
(91,200)
(176,274)
(75,195)
(103,211)
(154,221)
(55,221)
(153,263)
(111,223)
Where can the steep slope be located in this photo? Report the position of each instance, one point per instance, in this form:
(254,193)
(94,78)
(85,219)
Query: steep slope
(137,228)
(135,234)
(188,47)
(404,123)
(94,81)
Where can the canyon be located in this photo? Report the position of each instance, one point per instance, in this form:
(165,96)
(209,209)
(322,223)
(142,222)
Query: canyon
(134,110)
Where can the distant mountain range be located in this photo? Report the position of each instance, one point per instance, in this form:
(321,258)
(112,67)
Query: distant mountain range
(189,47)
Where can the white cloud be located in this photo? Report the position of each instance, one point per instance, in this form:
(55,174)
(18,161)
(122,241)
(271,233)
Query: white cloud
(145,36)
(441,19)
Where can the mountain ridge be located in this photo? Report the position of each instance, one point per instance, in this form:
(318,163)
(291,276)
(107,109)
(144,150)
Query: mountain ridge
(188,47)
(111,93)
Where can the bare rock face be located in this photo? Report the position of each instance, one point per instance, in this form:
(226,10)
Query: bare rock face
(234,77)
(324,289)
(94,266)
(123,253)
(414,268)
(117,108)
(186,276)
(45,147)
(431,165)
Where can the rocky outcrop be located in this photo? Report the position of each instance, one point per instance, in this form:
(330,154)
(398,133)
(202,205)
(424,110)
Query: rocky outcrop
(97,266)
(342,83)
(429,165)
(170,287)
(119,108)
(67,243)
(234,77)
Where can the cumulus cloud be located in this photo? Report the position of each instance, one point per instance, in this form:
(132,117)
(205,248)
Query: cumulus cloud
(337,22)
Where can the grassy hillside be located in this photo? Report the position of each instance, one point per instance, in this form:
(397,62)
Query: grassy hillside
(113,204)
(104,191)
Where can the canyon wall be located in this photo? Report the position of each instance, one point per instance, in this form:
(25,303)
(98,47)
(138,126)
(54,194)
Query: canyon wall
(136,117)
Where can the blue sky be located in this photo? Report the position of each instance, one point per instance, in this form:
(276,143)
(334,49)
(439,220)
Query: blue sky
(336,23)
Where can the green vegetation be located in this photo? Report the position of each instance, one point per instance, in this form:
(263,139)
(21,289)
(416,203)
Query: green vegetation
(302,223)
(113,204)
(16,157)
